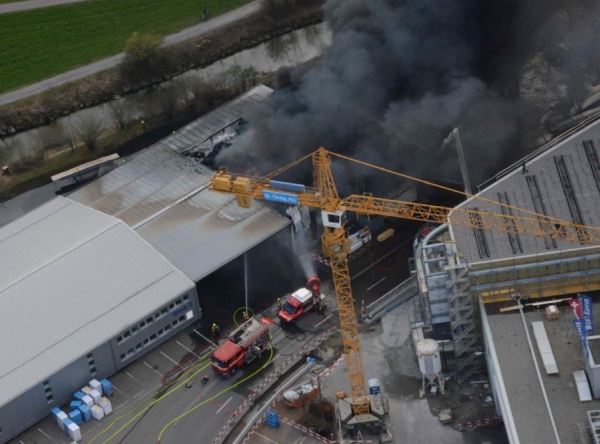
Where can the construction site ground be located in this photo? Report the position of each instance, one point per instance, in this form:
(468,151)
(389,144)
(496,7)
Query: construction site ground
(389,357)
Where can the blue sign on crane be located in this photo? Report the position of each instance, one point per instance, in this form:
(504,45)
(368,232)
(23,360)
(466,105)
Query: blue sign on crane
(273,196)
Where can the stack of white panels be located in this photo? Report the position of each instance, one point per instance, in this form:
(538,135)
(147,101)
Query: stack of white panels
(87,400)
(105,404)
(60,419)
(95,385)
(95,395)
(97,412)
(74,432)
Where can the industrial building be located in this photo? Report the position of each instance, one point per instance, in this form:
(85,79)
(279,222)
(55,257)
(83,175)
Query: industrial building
(92,281)
(82,296)
(466,274)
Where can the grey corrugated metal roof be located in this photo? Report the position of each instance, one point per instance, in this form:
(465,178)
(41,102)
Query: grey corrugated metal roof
(563,181)
(150,182)
(208,230)
(68,269)
(162,195)
(202,129)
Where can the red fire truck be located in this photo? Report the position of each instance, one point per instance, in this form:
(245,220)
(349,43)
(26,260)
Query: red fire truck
(243,346)
(302,301)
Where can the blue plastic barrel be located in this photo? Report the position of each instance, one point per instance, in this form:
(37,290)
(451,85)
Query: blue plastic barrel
(74,405)
(86,413)
(107,388)
(273,418)
(55,411)
(76,417)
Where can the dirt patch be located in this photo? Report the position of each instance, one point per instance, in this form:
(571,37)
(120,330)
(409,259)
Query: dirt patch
(469,402)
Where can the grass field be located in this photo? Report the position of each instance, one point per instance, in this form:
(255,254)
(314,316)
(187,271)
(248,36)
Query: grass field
(38,44)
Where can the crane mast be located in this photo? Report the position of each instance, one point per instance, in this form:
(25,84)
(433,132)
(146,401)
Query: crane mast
(337,247)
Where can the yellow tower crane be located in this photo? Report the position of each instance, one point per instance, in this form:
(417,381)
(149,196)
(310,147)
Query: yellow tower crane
(335,242)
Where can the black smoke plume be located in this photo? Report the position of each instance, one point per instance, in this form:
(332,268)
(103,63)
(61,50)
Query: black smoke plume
(397,78)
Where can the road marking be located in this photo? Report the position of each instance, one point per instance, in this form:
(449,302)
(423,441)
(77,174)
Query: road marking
(185,347)
(21,442)
(136,380)
(300,440)
(379,281)
(46,435)
(121,391)
(325,319)
(138,394)
(120,406)
(153,369)
(172,360)
(265,438)
(224,404)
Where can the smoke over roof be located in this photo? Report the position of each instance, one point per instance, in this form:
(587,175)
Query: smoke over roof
(398,77)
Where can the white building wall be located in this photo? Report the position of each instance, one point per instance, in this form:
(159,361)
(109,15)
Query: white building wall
(495,378)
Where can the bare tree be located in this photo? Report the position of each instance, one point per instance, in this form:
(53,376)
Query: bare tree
(202,90)
(88,128)
(50,137)
(120,113)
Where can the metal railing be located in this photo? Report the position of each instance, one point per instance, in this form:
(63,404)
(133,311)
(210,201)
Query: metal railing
(398,295)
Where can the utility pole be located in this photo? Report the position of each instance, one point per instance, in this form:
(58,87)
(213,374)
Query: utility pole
(455,136)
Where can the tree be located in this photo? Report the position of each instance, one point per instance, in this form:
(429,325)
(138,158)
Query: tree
(145,59)
(50,137)
(120,113)
(88,129)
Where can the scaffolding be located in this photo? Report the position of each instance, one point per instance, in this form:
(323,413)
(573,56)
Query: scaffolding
(445,299)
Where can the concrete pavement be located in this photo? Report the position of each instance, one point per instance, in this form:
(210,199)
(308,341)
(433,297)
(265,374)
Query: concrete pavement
(111,62)
(33,4)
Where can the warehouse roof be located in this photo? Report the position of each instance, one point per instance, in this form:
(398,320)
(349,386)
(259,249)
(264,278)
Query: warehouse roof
(522,386)
(163,196)
(68,284)
(200,130)
(561,182)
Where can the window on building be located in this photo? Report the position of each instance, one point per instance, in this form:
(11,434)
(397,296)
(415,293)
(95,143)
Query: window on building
(167,327)
(175,322)
(150,320)
(126,334)
(123,356)
(93,370)
(171,306)
(178,302)
(186,297)
(138,346)
(160,332)
(48,391)
(181,318)
(119,339)
(142,324)
(153,337)
(134,329)
(146,341)
(164,311)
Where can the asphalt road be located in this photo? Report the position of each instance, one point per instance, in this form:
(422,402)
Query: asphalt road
(110,62)
(33,4)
